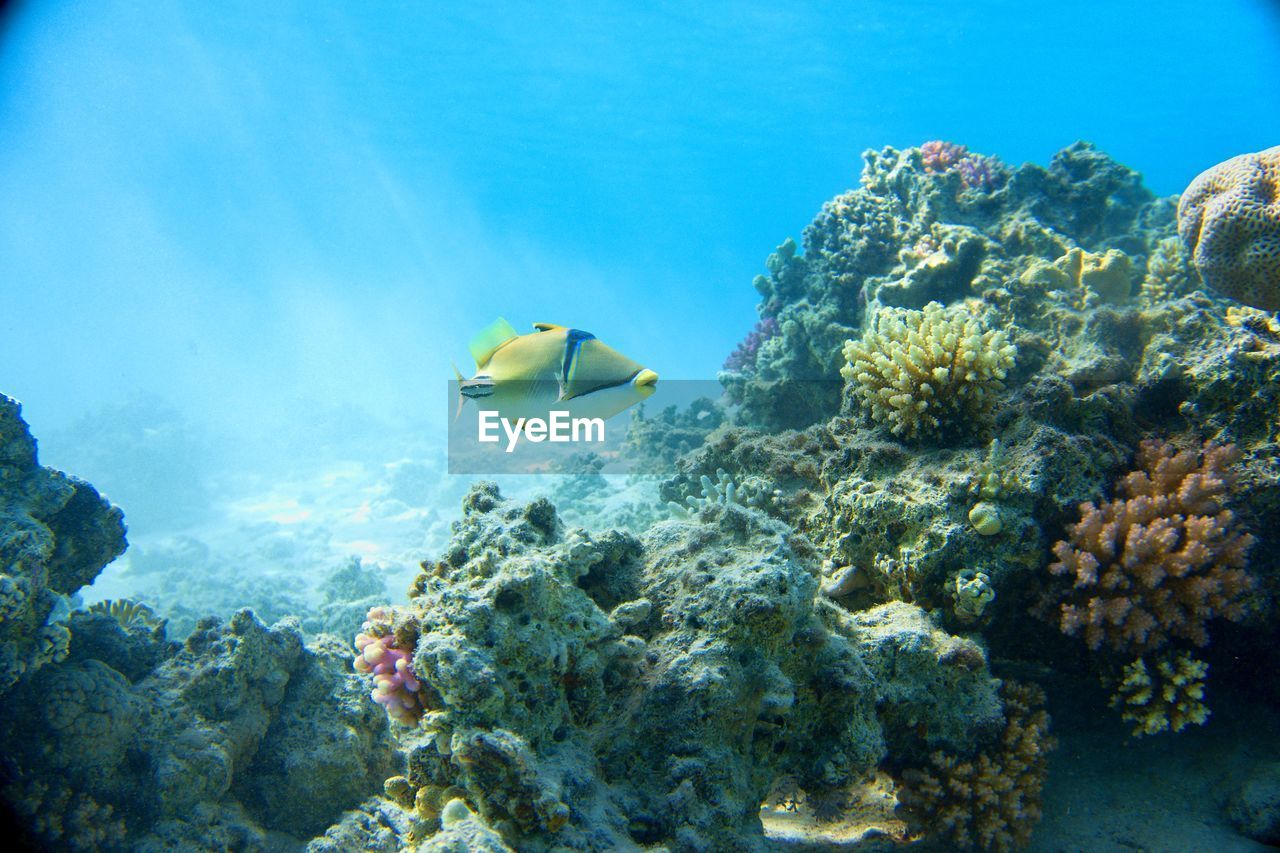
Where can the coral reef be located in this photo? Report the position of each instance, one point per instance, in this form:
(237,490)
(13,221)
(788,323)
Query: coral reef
(1166,697)
(753,491)
(1169,274)
(977,171)
(929,372)
(603,691)
(56,535)
(1229,220)
(913,234)
(127,613)
(985,518)
(114,737)
(1162,558)
(991,801)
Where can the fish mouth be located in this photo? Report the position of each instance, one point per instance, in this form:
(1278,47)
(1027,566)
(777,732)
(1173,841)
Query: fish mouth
(645,378)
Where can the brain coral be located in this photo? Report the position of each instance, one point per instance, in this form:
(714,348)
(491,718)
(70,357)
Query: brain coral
(927,372)
(1161,559)
(1229,220)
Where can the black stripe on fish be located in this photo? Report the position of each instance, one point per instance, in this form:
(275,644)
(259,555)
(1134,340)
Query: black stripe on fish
(572,344)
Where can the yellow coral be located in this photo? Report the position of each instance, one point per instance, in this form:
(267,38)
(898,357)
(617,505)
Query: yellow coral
(126,612)
(1229,220)
(1169,700)
(1169,275)
(926,372)
(1087,277)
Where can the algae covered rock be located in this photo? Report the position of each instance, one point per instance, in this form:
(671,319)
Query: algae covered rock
(56,534)
(602,691)
(201,744)
(1254,809)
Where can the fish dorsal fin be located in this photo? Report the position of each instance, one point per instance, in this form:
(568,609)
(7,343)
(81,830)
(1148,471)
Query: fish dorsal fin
(488,339)
(547,327)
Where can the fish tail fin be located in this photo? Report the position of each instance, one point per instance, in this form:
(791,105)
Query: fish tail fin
(461,399)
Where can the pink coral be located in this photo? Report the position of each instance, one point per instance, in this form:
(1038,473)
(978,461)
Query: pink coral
(395,685)
(939,156)
(744,357)
(977,171)
(1161,559)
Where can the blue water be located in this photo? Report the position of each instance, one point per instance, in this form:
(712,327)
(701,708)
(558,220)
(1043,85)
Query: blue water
(238,207)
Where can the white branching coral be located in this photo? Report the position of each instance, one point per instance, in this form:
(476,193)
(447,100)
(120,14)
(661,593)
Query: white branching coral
(722,491)
(1166,697)
(927,372)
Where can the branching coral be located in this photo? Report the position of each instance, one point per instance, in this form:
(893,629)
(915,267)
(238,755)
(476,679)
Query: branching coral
(126,612)
(1169,273)
(977,171)
(722,491)
(395,686)
(1161,559)
(927,372)
(1168,699)
(991,802)
(1229,220)
(743,358)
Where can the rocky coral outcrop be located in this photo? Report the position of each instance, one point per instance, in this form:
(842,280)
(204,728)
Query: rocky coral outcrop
(195,745)
(1229,221)
(920,229)
(56,534)
(604,691)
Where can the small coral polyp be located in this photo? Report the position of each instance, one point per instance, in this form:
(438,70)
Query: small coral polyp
(1160,560)
(395,686)
(927,372)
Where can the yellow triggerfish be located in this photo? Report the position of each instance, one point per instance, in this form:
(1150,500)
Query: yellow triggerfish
(555,367)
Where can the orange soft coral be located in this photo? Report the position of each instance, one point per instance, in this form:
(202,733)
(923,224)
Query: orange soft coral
(990,801)
(1161,559)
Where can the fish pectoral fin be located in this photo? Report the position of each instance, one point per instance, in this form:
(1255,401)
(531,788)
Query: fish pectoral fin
(489,339)
(562,389)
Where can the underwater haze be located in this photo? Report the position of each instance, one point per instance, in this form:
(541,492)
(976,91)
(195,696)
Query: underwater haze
(938,348)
